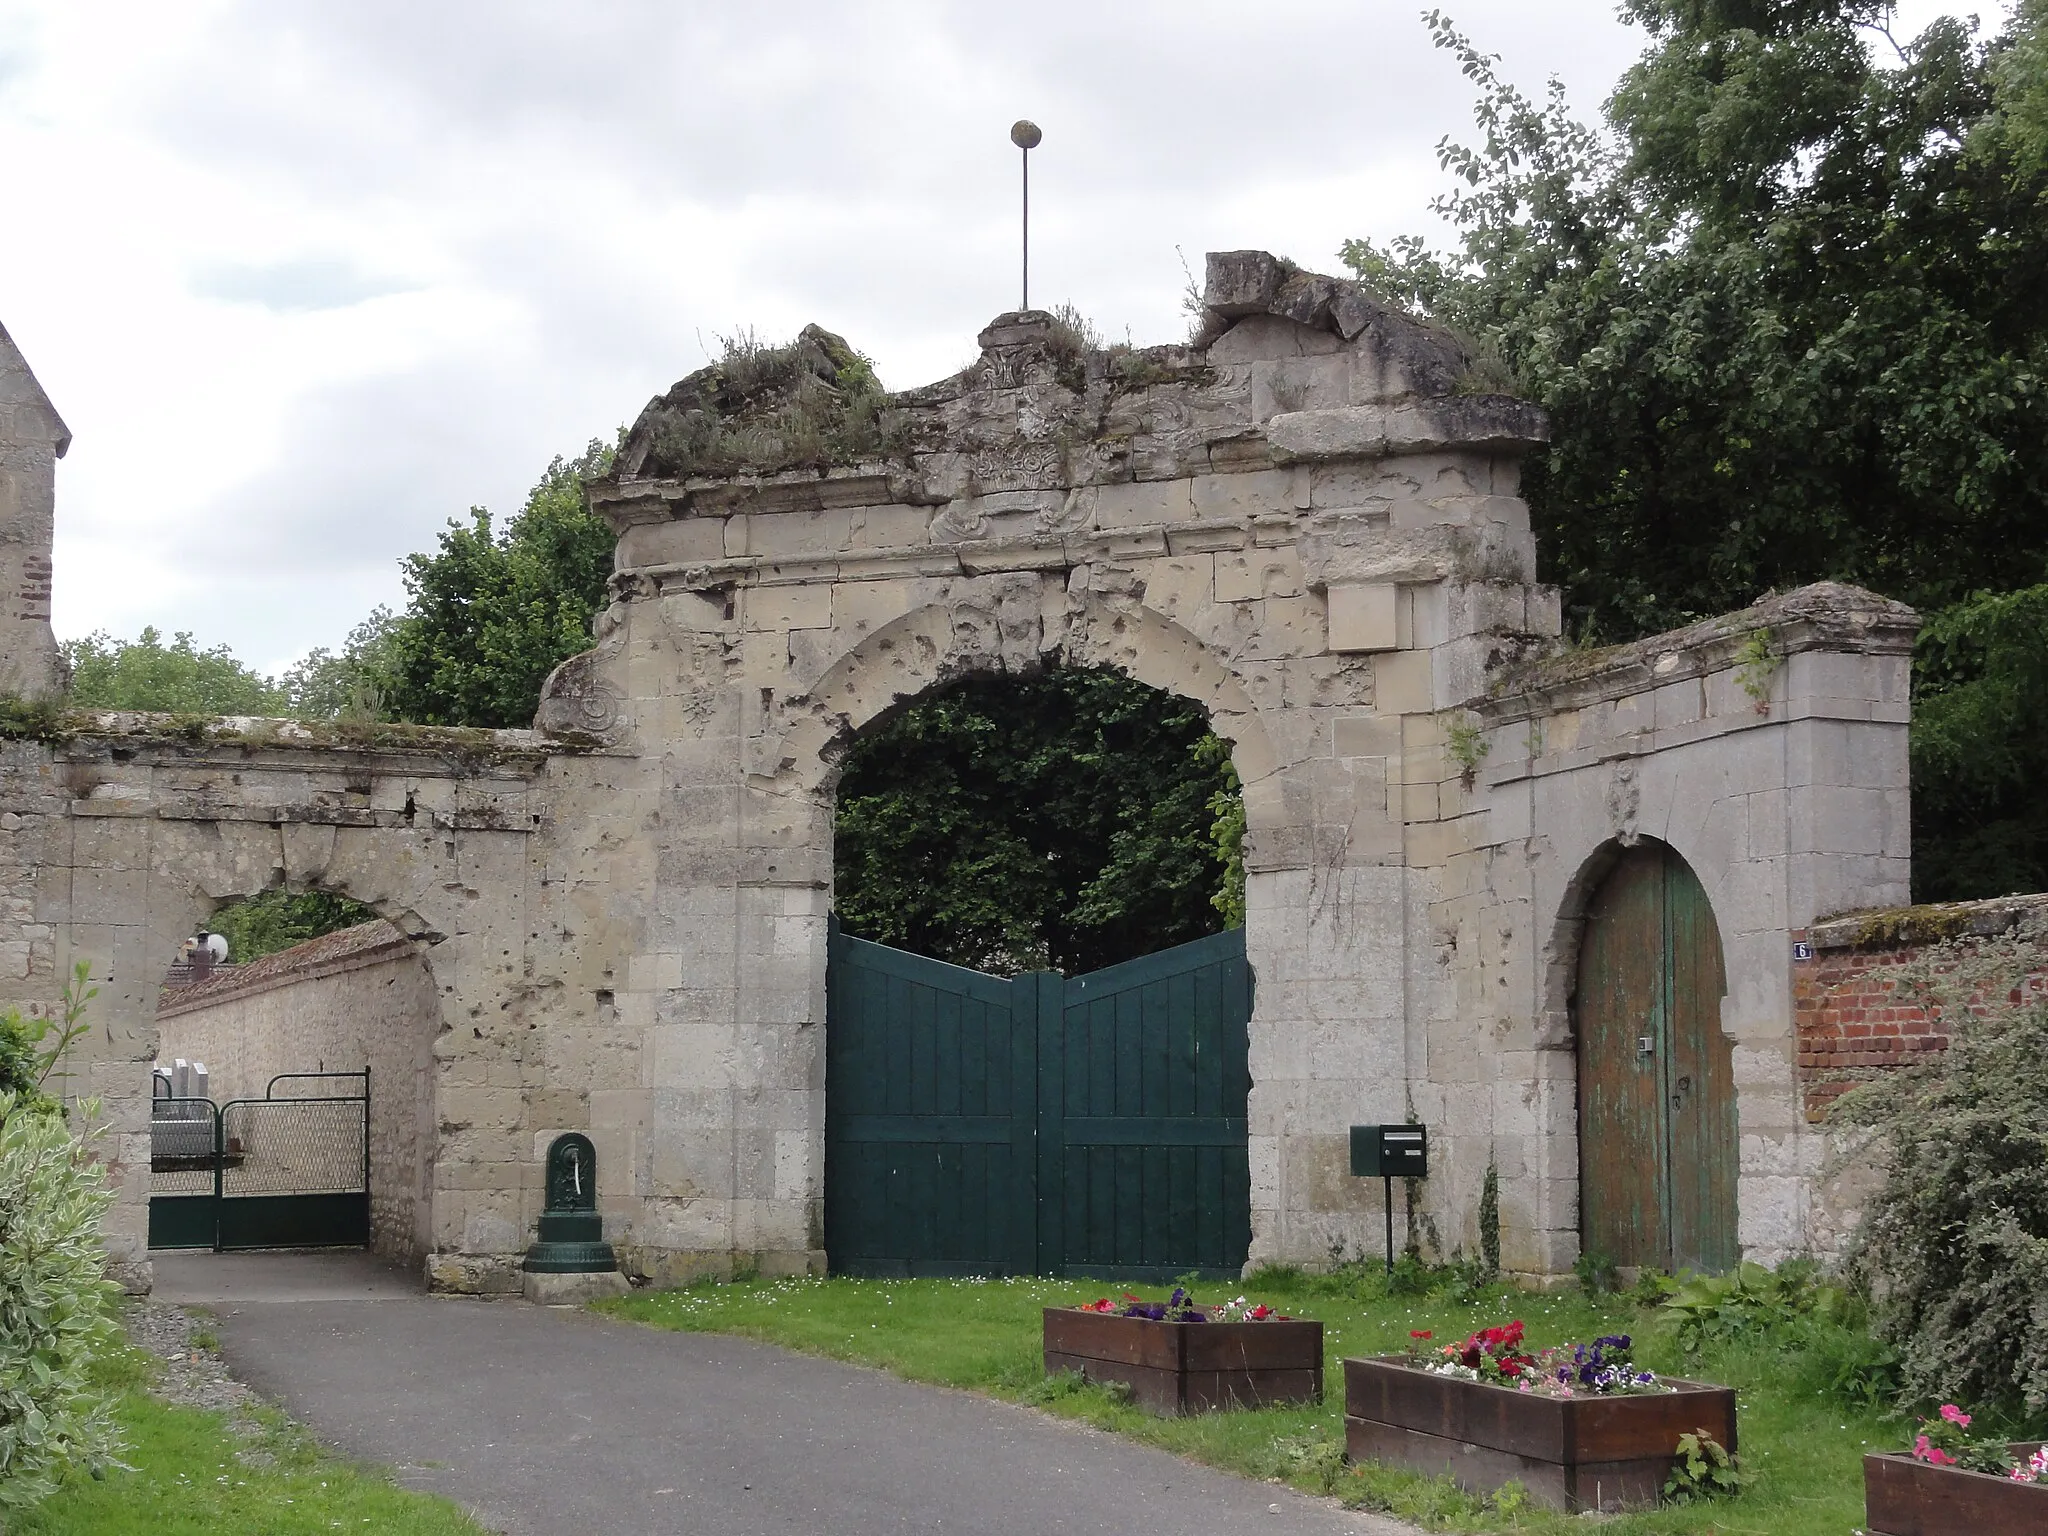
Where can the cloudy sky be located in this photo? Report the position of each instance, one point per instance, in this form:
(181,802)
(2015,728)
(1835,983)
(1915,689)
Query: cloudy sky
(308,277)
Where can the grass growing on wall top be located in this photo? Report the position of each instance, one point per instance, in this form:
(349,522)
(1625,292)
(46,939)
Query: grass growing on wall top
(984,1335)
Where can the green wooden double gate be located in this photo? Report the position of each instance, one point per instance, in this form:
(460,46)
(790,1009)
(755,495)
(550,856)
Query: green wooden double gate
(1038,1124)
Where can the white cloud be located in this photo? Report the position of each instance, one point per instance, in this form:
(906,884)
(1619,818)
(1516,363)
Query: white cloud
(308,279)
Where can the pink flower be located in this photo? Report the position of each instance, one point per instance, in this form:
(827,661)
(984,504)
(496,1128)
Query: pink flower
(1925,1450)
(1955,1415)
(2022,1474)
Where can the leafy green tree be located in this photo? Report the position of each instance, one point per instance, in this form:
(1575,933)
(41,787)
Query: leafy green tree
(1789,313)
(144,673)
(492,613)
(1066,820)
(1980,755)
(269,921)
(350,685)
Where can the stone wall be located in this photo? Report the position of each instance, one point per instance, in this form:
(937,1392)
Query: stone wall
(1303,521)
(1768,748)
(125,833)
(349,1000)
(1857,1007)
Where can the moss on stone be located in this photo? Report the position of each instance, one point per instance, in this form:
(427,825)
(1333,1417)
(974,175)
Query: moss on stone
(813,403)
(41,719)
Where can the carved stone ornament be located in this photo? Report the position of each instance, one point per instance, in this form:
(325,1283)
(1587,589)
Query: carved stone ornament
(1624,801)
(576,700)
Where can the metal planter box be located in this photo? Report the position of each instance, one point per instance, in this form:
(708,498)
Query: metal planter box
(1575,1453)
(1190,1367)
(1904,1497)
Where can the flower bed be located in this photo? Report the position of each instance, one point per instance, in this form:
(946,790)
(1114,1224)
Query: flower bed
(1951,1482)
(1177,1357)
(1581,1427)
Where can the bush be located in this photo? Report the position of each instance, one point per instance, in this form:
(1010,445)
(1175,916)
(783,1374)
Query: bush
(1821,1330)
(1954,1244)
(56,1313)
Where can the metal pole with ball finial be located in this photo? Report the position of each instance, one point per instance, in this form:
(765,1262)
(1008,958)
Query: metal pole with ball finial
(1025,135)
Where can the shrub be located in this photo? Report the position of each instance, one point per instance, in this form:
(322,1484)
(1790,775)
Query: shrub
(1753,1299)
(1954,1243)
(56,1315)
(1821,1329)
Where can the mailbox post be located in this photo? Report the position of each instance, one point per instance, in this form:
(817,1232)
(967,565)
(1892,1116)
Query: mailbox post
(1390,1152)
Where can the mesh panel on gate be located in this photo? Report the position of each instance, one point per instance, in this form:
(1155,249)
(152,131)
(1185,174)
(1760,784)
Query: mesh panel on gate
(294,1146)
(181,1147)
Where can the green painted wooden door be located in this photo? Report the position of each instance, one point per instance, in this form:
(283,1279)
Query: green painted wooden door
(1657,1132)
(1037,1125)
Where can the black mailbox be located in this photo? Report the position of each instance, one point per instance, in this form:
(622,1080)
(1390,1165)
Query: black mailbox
(1390,1151)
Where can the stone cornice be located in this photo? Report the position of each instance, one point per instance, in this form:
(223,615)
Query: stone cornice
(968,557)
(317,746)
(1828,616)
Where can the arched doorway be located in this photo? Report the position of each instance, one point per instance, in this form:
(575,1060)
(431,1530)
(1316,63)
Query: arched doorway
(1657,1128)
(1076,1101)
(293,1093)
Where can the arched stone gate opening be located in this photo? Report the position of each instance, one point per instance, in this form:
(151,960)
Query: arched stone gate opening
(319,1063)
(1080,1110)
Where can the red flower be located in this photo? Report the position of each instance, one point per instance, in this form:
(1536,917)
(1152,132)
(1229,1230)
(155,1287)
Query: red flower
(1260,1313)
(1419,1333)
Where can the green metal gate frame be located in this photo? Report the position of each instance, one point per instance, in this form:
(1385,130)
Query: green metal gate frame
(1100,1118)
(229,1219)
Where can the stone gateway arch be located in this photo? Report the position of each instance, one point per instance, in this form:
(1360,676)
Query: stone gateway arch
(1306,520)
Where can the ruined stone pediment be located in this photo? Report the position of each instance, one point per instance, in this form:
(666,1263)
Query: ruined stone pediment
(1288,367)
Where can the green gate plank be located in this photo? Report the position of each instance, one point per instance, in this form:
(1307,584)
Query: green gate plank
(1037,1118)
(1026,1249)
(1700,1083)
(1621,999)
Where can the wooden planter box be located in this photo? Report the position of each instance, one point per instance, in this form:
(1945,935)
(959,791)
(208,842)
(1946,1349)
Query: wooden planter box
(1190,1367)
(1571,1453)
(1904,1497)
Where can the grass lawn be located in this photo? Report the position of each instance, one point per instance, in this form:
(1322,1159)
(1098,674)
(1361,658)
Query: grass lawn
(197,1473)
(1803,1446)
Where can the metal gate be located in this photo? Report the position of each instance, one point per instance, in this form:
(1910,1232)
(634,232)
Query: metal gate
(1039,1124)
(288,1170)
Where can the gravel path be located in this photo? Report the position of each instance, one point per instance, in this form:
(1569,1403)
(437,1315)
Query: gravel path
(193,1374)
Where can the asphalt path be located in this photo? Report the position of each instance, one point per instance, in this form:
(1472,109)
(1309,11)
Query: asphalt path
(553,1422)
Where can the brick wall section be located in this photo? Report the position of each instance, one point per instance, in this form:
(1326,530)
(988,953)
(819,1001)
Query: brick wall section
(1855,1018)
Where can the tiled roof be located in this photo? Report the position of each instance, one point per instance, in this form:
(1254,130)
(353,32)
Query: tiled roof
(343,949)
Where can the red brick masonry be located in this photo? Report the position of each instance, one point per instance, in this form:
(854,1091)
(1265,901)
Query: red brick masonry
(1853,1019)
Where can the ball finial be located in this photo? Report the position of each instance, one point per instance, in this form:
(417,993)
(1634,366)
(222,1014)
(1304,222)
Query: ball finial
(1024,134)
